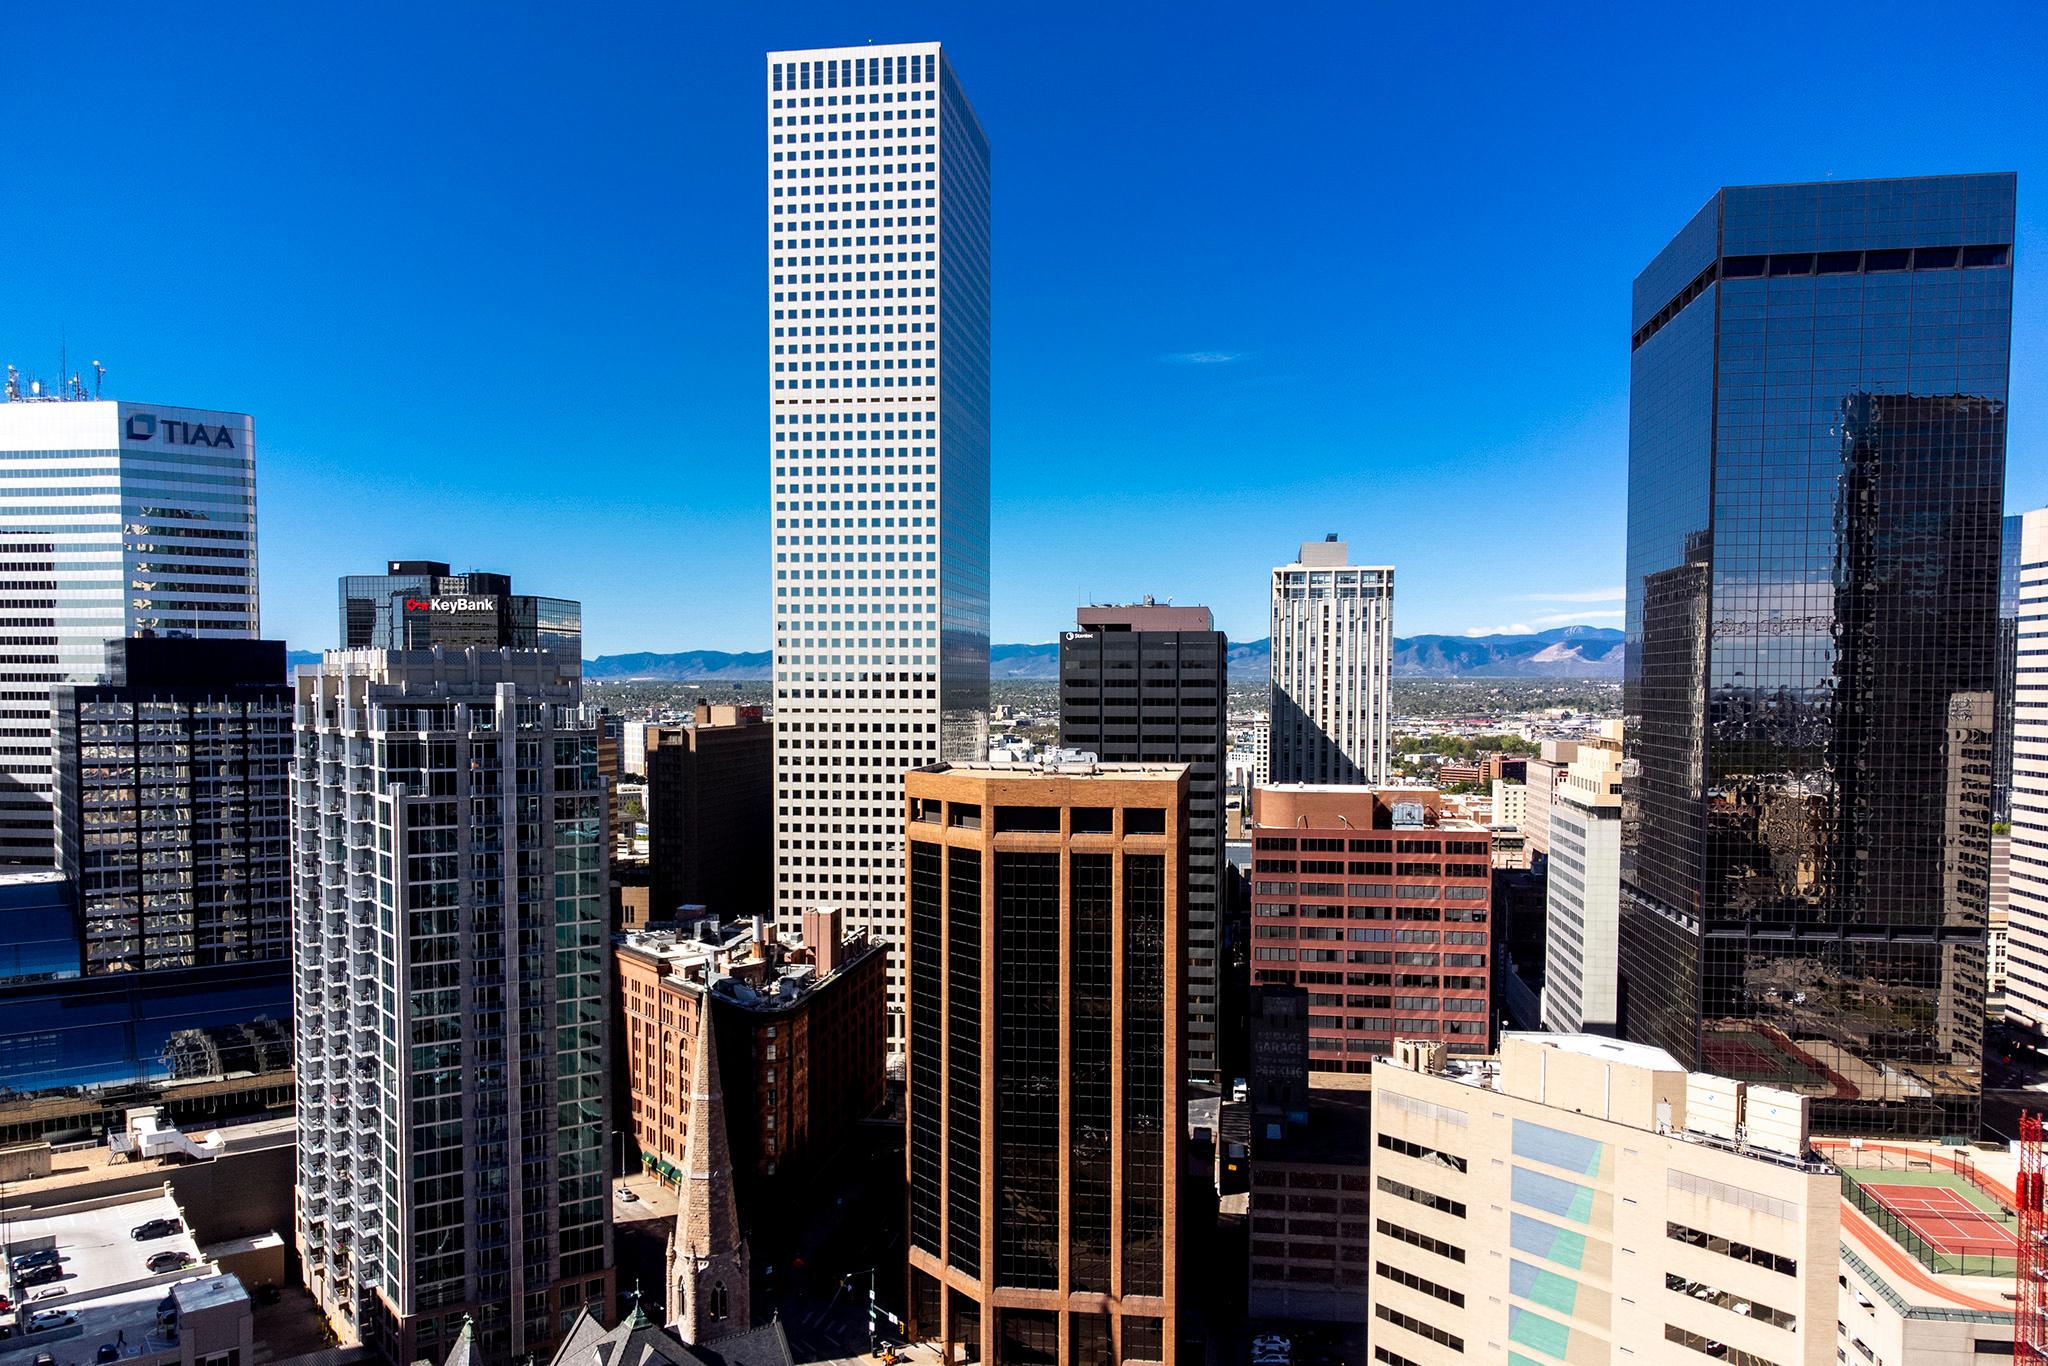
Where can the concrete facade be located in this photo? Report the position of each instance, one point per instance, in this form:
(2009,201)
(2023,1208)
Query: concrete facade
(879,462)
(1331,708)
(1553,1205)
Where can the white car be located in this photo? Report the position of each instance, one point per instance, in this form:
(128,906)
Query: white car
(45,1319)
(48,1292)
(626,1195)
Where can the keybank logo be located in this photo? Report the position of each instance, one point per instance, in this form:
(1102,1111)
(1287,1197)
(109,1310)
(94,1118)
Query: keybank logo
(170,432)
(417,605)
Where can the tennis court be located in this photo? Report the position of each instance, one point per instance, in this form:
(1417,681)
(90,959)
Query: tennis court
(1946,1219)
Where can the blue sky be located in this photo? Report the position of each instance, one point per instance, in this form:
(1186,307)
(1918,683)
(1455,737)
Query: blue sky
(490,278)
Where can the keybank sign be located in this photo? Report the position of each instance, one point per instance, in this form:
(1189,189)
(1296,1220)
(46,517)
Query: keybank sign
(171,432)
(418,606)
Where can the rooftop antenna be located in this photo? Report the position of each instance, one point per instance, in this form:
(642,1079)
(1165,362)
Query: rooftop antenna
(99,375)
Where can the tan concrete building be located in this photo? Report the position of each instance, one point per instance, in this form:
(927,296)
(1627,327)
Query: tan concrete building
(1578,1199)
(1046,911)
(1539,784)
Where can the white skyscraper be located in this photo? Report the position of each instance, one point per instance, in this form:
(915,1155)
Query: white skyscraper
(115,518)
(2026,946)
(1583,834)
(878,303)
(1333,658)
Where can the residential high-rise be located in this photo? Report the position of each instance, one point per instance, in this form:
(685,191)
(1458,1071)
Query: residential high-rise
(118,519)
(1587,1200)
(1584,888)
(1333,663)
(710,817)
(173,815)
(1817,458)
(1378,903)
(878,207)
(1045,1100)
(1543,773)
(1149,684)
(449,865)
(2026,942)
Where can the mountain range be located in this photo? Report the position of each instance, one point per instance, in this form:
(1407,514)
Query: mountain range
(1564,652)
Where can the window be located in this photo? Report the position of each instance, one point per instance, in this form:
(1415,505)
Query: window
(1427,1199)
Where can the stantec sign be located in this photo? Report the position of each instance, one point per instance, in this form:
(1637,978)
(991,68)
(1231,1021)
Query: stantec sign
(171,432)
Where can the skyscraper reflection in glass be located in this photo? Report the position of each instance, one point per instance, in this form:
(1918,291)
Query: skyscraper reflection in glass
(1817,426)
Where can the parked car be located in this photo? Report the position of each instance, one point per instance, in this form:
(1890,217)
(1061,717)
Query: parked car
(45,1359)
(170,1260)
(155,1228)
(47,1256)
(626,1195)
(48,1292)
(107,1352)
(45,1319)
(38,1275)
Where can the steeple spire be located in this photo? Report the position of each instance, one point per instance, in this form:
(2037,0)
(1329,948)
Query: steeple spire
(710,1266)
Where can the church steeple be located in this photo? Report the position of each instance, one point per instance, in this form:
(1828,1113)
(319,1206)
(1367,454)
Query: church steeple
(710,1265)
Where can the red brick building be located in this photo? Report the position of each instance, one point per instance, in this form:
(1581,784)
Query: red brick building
(1379,906)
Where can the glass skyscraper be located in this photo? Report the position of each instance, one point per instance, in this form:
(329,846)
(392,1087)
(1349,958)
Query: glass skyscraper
(878,395)
(116,519)
(1816,471)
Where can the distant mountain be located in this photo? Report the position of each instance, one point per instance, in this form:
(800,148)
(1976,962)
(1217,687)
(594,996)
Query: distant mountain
(294,658)
(1565,652)
(689,667)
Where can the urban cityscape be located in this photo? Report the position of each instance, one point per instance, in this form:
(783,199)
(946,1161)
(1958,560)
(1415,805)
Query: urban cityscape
(426,967)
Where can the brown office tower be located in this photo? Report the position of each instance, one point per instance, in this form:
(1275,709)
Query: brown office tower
(1046,911)
(710,813)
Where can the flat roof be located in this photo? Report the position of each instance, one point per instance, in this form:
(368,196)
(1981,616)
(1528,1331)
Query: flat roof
(1600,1046)
(106,1281)
(1052,769)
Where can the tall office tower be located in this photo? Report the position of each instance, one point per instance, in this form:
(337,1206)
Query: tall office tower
(878,203)
(2026,944)
(417,604)
(1584,888)
(449,888)
(1580,1199)
(173,816)
(1333,662)
(1045,1059)
(710,801)
(1150,684)
(117,519)
(1816,468)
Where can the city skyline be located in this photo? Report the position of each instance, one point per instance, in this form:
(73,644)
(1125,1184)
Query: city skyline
(643,381)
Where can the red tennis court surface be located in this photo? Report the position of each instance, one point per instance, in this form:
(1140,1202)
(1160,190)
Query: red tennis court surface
(1947,1220)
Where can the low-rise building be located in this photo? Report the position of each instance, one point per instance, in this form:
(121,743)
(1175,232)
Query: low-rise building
(1310,1190)
(132,1286)
(801,1035)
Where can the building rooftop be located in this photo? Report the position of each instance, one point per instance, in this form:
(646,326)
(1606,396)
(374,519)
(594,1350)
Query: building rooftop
(1641,1055)
(1066,763)
(106,1281)
(743,962)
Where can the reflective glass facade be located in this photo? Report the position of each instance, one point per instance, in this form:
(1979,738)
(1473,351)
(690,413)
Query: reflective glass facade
(1817,456)
(118,518)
